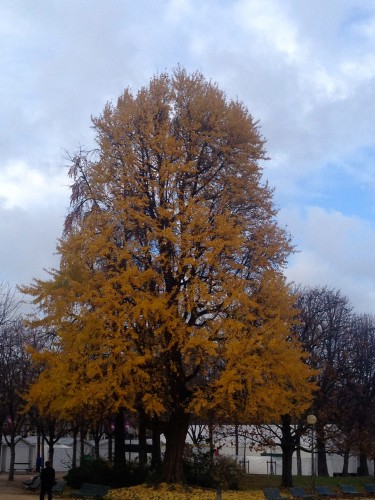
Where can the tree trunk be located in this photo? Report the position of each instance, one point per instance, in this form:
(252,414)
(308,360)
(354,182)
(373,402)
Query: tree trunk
(74,457)
(287,464)
(110,451)
(321,452)
(39,456)
(172,466)
(211,443)
(82,446)
(142,442)
(288,447)
(236,440)
(96,446)
(345,466)
(363,466)
(51,452)
(119,456)
(12,446)
(322,462)
(156,451)
(299,461)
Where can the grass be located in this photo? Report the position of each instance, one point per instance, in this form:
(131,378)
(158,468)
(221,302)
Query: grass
(258,482)
(252,490)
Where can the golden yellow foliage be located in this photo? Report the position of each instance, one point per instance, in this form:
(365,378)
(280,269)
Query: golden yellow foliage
(177,492)
(170,296)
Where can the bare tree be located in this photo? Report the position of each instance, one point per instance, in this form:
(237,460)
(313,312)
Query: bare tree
(15,376)
(324,328)
(356,395)
(9,305)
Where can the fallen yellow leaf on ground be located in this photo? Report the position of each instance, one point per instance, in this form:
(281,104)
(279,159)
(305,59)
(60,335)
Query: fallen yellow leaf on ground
(178,492)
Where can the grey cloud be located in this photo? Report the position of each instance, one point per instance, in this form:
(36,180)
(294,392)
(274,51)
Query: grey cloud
(61,61)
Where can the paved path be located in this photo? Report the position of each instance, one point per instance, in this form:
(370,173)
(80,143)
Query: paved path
(14,490)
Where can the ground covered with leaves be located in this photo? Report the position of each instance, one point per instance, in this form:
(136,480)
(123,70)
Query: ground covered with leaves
(178,492)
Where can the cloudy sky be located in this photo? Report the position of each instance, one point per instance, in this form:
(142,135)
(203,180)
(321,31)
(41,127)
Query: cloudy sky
(305,69)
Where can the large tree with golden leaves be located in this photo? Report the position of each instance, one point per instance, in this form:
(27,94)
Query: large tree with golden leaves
(170,298)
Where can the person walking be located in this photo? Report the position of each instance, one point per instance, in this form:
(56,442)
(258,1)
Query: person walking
(47,480)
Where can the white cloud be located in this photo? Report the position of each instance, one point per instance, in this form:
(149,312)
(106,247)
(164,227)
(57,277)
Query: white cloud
(28,243)
(271,25)
(177,10)
(22,186)
(333,250)
(305,69)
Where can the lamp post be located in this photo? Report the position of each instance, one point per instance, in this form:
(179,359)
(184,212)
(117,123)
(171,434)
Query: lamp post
(311,420)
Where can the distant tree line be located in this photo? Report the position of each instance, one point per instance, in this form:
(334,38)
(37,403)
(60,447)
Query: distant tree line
(340,345)
(341,349)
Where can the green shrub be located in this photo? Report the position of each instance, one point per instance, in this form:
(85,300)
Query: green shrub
(202,469)
(227,473)
(101,472)
(94,471)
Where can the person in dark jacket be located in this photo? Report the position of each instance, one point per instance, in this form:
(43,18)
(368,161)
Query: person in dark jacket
(47,480)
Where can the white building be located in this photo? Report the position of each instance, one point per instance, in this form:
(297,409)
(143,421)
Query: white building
(26,455)
(256,462)
(270,461)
